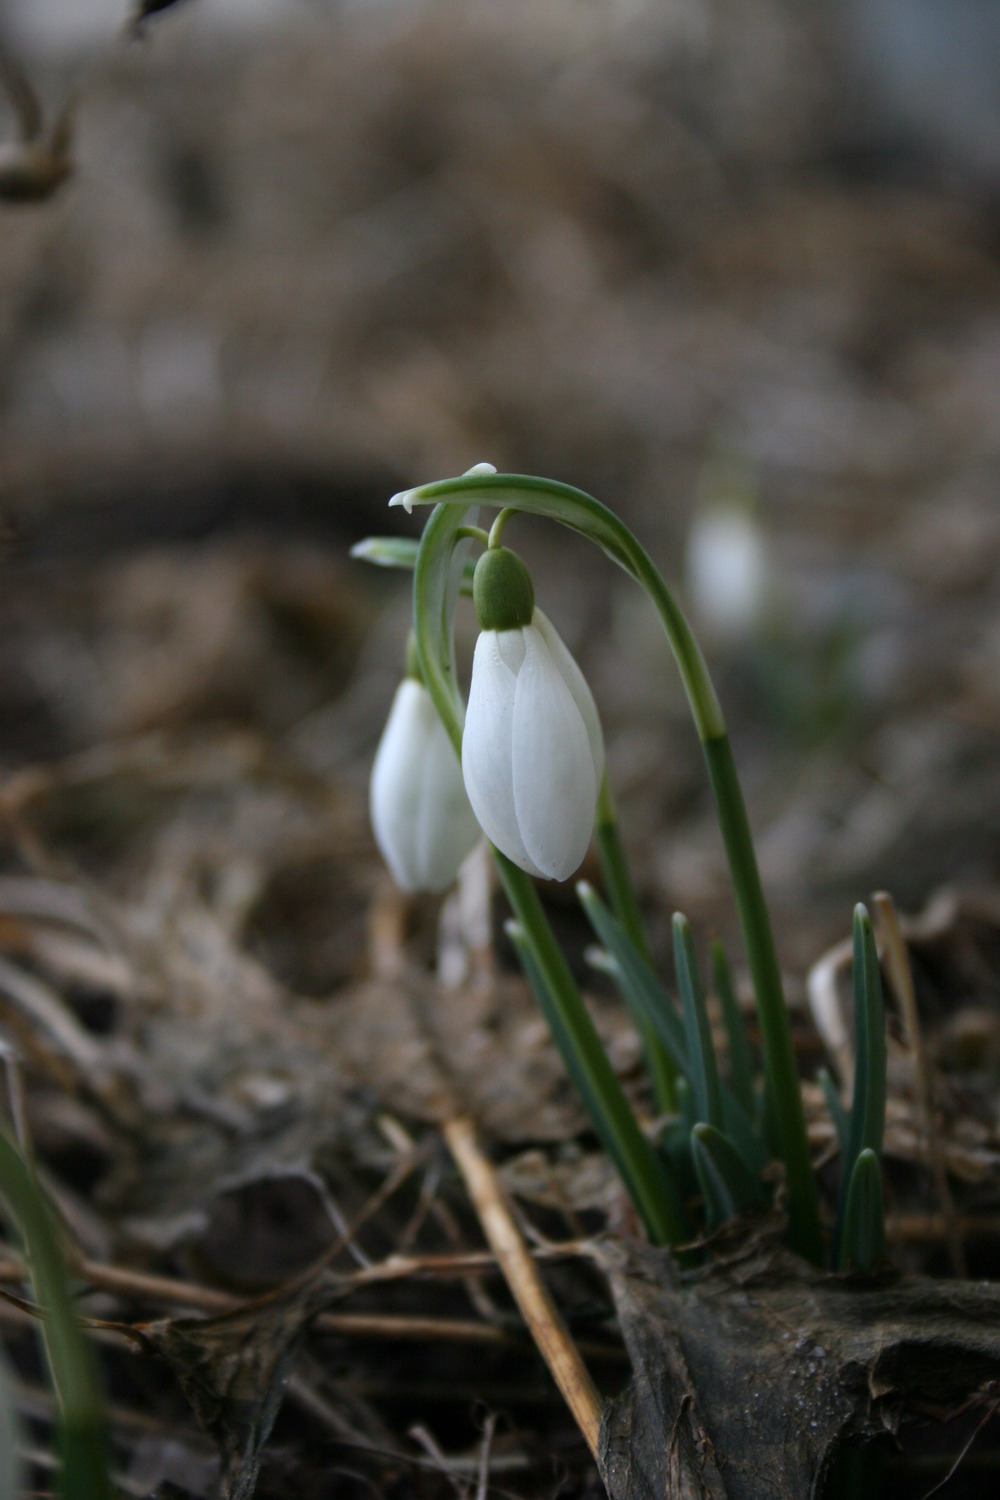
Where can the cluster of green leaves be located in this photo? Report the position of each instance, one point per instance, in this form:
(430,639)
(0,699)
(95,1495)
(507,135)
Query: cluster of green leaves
(719,1140)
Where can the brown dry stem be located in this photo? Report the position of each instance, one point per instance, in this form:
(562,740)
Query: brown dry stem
(897,964)
(521,1273)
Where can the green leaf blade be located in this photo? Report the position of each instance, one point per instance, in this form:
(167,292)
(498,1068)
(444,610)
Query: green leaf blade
(728,1188)
(641,992)
(703,1074)
(866,1121)
(863,1237)
(741,1069)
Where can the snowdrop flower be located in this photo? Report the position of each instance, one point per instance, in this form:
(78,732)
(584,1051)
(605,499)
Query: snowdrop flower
(532,752)
(727,569)
(420,814)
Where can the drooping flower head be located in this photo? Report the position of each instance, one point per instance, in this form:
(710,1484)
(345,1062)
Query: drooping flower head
(420,814)
(532,751)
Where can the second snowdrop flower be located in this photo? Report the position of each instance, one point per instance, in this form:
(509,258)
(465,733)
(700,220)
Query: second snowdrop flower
(532,751)
(420,814)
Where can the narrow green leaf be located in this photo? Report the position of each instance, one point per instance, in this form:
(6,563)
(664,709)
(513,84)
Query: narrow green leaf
(740,1129)
(767,1119)
(641,992)
(643,995)
(687,1104)
(727,1187)
(741,1069)
(862,1241)
(703,1074)
(602,962)
(835,1106)
(675,1145)
(81,1427)
(866,1122)
(660,1065)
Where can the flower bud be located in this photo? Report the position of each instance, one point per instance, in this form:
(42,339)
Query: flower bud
(420,814)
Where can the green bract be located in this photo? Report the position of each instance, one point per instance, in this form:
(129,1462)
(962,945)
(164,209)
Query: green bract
(502,591)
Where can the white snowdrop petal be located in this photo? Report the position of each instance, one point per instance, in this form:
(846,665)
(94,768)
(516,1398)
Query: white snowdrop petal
(394,790)
(420,815)
(487,749)
(510,648)
(446,828)
(554,777)
(577,684)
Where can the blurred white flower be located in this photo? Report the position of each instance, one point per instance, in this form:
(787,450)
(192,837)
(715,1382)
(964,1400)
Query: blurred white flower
(420,813)
(727,570)
(533,753)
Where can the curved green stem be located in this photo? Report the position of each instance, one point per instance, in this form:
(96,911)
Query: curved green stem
(582,513)
(82,1430)
(587,516)
(496,530)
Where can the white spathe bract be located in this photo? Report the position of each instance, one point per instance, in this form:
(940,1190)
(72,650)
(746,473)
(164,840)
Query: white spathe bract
(532,753)
(420,813)
(405,498)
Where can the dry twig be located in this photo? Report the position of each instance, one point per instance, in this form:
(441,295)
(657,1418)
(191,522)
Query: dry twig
(901,978)
(521,1273)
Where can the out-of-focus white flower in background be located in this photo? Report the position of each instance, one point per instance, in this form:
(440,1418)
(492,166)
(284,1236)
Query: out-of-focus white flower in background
(727,568)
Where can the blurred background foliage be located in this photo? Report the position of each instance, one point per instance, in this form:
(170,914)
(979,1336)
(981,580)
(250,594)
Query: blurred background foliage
(314,251)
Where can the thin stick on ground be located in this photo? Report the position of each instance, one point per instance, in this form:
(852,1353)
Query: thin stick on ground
(140,1286)
(900,974)
(521,1273)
